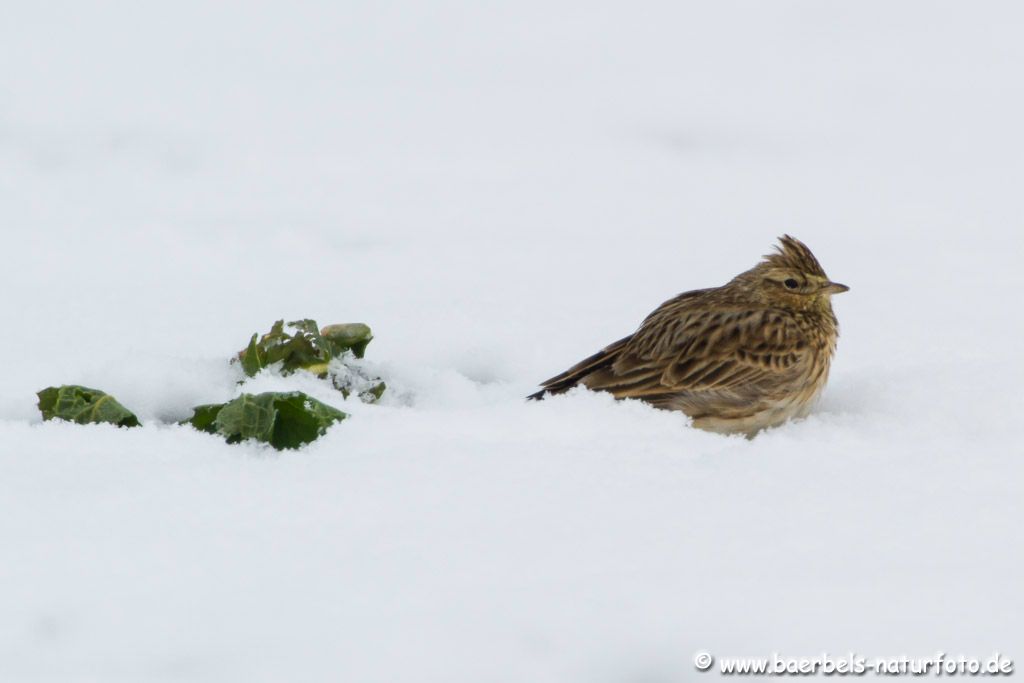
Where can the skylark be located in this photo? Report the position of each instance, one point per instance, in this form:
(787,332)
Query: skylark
(738,358)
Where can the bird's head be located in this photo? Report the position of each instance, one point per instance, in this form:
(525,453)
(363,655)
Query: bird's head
(792,278)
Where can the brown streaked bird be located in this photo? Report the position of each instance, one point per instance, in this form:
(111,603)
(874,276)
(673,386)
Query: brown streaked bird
(738,358)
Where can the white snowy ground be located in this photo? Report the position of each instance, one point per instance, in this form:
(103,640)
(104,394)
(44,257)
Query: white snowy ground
(500,190)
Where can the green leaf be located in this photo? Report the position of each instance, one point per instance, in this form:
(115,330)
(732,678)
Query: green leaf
(203,417)
(304,349)
(250,416)
(373,394)
(312,349)
(307,327)
(250,358)
(83,405)
(344,337)
(301,419)
(282,419)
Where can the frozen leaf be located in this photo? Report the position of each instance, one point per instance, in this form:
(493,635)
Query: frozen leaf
(83,405)
(304,349)
(313,350)
(284,420)
(348,337)
(203,417)
(352,378)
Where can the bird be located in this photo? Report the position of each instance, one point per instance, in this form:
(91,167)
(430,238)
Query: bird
(736,359)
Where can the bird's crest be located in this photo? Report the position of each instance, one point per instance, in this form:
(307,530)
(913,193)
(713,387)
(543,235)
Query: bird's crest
(792,253)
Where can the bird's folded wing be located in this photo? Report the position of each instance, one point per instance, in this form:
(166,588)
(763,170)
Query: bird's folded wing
(694,351)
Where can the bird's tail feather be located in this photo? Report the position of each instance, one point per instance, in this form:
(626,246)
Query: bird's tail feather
(575,375)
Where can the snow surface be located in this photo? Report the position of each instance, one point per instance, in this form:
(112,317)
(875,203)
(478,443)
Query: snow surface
(499,190)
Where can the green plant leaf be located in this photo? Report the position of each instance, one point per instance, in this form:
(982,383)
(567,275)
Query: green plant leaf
(250,416)
(203,417)
(282,419)
(373,394)
(312,349)
(83,405)
(304,349)
(344,337)
(250,358)
(301,419)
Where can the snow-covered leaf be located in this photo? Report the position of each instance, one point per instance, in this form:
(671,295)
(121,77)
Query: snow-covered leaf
(313,350)
(303,349)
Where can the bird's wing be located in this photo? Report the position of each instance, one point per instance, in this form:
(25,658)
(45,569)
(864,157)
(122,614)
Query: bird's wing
(726,351)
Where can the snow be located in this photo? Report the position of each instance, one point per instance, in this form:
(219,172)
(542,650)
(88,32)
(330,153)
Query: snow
(500,190)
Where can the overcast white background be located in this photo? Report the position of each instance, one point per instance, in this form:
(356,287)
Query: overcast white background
(499,190)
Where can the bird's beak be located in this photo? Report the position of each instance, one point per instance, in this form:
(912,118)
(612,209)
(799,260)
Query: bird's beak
(836,288)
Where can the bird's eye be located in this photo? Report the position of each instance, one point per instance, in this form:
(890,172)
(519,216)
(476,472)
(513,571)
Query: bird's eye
(791,283)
